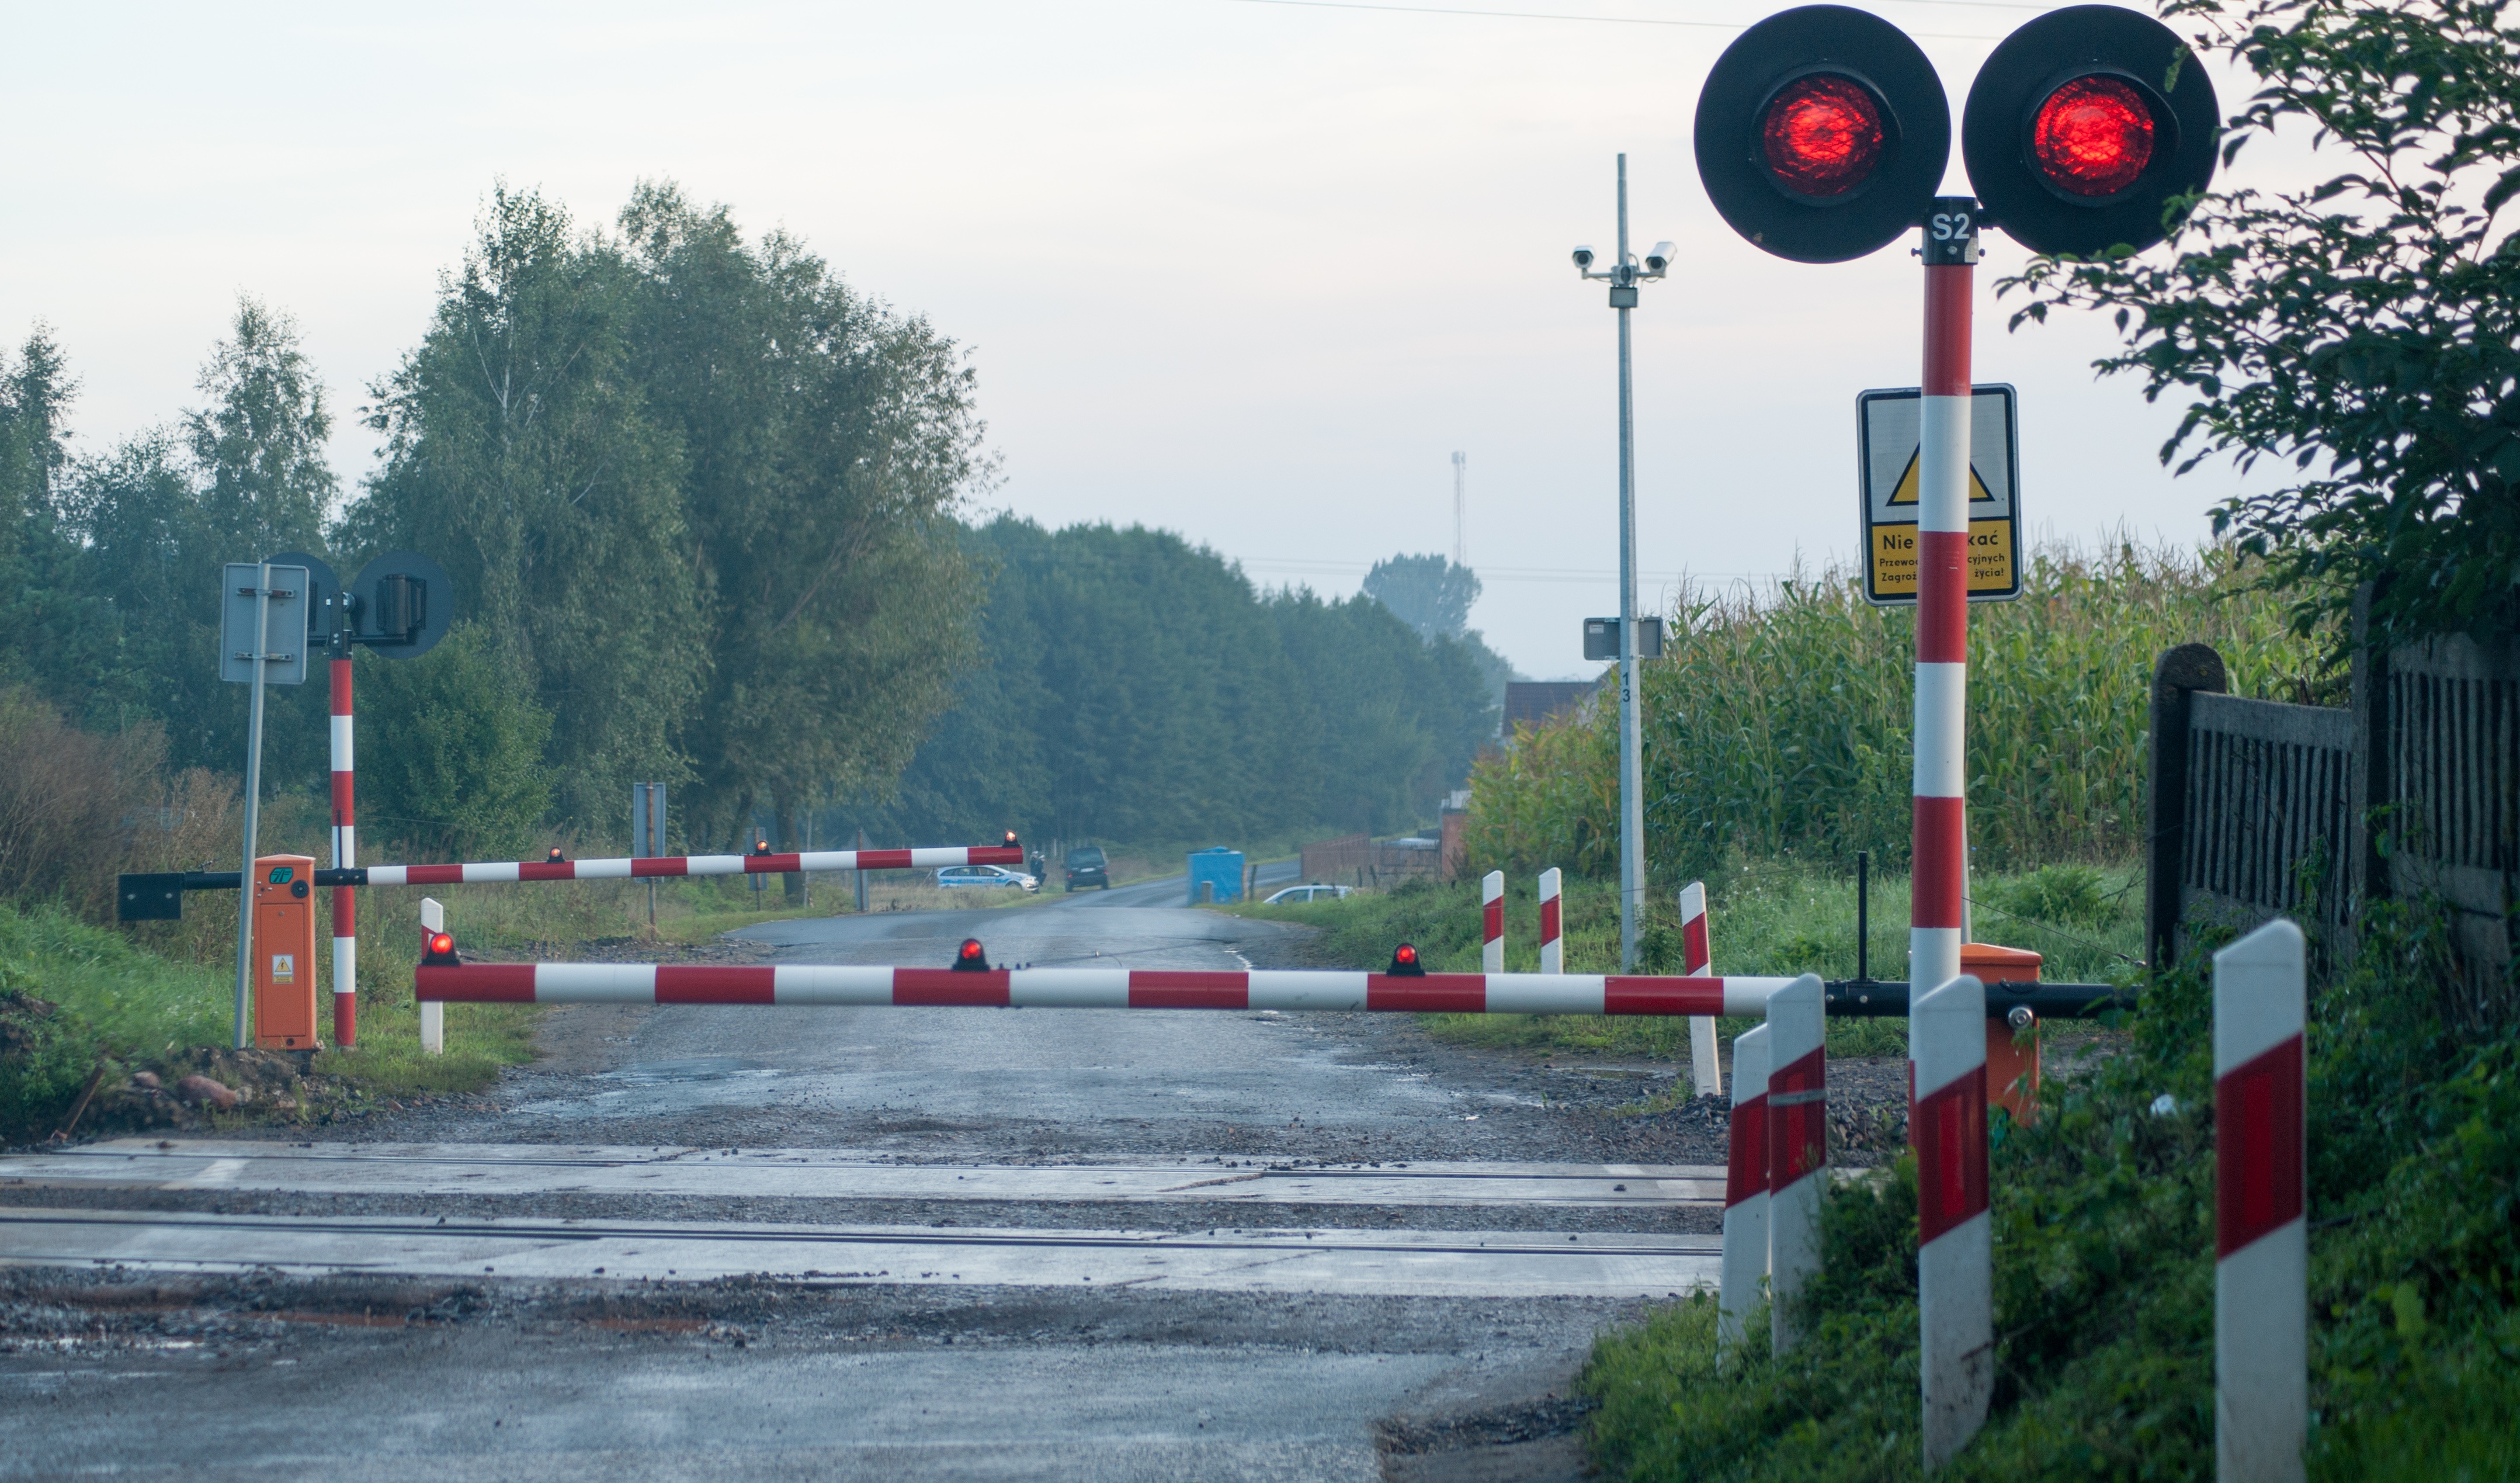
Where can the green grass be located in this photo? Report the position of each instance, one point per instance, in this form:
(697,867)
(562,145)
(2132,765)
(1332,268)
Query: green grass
(1768,918)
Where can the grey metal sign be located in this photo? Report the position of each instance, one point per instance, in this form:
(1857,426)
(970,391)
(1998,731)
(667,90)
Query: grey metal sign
(282,645)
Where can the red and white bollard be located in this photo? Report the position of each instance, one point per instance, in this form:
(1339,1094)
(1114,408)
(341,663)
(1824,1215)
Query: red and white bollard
(2261,1238)
(1746,1189)
(1954,1237)
(1697,955)
(1492,923)
(433,1014)
(1797,1146)
(1939,884)
(346,854)
(1553,952)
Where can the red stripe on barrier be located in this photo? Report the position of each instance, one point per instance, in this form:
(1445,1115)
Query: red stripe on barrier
(773,864)
(949,986)
(1942,607)
(1941,833)
(433,874)
(1156,989)
(668,865)
(686,983)
(478,983)
(1548,919)
(1692,944)
(1661,996)
(1434,994)
(895,860)
(981,854)
(1746,1170)
(1797,1131)
(546,870)
(1947,329)
(1948,1131)
(2258,1148)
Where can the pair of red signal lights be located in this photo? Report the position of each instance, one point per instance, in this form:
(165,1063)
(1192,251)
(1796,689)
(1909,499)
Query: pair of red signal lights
(1823,133)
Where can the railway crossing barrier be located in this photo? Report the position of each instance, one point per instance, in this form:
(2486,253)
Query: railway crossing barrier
(2260,1237)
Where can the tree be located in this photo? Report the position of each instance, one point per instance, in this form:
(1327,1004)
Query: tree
(461,775)
(2362,329)
(38,618)
(260,445)
(1429,593)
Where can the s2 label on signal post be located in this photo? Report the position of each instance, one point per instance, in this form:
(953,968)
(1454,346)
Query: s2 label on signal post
(1888,436)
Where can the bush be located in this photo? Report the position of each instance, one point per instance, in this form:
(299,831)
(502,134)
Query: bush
(452,763)
(70,804)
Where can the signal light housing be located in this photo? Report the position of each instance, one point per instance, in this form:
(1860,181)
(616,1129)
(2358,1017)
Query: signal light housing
(1405,963)
(972,958)
(438,951)
(1823,133)
(2082,125)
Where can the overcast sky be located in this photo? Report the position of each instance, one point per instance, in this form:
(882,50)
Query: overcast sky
(1250,271)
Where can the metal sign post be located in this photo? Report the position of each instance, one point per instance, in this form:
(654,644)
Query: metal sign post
(252,609)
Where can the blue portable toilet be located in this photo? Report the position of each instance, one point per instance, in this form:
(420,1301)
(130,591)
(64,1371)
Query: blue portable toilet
(1220,868)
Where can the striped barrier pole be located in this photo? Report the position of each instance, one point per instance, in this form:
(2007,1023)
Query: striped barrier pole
(1553,952)
(345,855)
(1798,1147)
(1290,989)
(1492,923)
(1939,884)
(1955,1235)
(1746,1189)
(1697,953)
(765,864)
(2260,1239)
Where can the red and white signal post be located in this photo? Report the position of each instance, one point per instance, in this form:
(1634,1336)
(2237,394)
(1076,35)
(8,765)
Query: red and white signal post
(1939,884)
(2260,1237)
(345,855)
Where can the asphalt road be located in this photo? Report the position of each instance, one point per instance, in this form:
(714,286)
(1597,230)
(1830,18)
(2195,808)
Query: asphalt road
(878,1243)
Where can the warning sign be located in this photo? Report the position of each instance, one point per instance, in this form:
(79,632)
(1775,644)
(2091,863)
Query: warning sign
(1888,436)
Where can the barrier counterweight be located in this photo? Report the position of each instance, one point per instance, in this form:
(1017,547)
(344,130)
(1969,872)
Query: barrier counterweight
(1091,988)
(1746,1189)
(2260,1239)
(1955,1235)
(1697,953)
(670,865)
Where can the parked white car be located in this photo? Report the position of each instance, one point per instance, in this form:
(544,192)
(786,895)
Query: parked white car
(986,875)
(1299,893)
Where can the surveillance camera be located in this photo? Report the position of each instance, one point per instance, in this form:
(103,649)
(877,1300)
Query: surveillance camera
(1659,258)
(1583,257)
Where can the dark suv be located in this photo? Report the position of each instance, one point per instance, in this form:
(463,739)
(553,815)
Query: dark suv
(1086,866)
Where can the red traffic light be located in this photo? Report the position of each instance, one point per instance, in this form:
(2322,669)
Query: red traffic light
(1404,963)
(1822,135)
(556,857)
(1010,838)
(2083,125)
(2092,136)
(440,950)
(972,958)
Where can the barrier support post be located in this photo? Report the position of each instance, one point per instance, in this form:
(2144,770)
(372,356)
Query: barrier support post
(346,856)
(1955,1238)
(1553,952)
(1492,923)
(1697,949)
(2261,1238)
(1797,1146)
(432,1014)
(1745,1190)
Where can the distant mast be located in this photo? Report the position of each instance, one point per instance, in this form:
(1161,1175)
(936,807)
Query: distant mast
(1461,510)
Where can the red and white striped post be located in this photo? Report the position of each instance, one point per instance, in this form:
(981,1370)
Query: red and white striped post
(1553,952)
(2261,1238)
(1797,1146)
(346,854)
(1955,1235)
(1939,882)
(1746,1189)
(1492,923)
(1697,955)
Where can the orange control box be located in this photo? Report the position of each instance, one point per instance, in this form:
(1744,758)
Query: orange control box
(2012,1067)
(284,953)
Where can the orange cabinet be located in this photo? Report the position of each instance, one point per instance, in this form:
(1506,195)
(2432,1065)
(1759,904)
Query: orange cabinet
(284,953)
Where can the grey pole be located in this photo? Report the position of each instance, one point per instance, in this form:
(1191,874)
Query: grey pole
(1631,805)
(252,795)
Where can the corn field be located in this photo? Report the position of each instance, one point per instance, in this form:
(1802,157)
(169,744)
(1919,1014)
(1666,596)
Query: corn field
(1779,725)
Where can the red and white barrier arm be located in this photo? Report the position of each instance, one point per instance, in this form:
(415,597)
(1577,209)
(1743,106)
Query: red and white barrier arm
(1955,1235)
(694,865)
(1697,953)
(1090,988)
(1745,1190)
(1797,1146)
(2261,1238)
(1552,951)
(1492,923)
(345,855)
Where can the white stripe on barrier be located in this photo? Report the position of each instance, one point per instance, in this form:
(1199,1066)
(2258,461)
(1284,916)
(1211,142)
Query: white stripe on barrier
(1745,1190)
(2261,1234)
(1954,1254)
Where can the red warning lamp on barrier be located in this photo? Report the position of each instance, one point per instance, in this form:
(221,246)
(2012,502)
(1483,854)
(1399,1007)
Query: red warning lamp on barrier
(1405,963)
(438,951)
(973,958)
(2084,127)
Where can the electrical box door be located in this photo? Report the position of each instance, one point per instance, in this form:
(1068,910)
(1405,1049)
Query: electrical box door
(284,953)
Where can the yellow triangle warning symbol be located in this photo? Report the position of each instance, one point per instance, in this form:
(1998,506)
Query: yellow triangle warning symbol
(1906,492)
